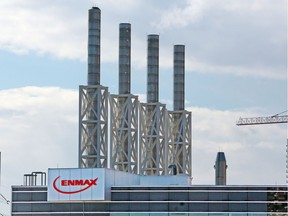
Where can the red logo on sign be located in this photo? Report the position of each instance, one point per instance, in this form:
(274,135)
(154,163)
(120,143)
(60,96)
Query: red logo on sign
(87,183)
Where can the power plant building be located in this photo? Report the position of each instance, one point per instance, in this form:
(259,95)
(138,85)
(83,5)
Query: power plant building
(110,192)
(135,158)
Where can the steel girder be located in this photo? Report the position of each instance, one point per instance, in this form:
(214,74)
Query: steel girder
(180,141)
(124,132)
(153,138)
(93,126)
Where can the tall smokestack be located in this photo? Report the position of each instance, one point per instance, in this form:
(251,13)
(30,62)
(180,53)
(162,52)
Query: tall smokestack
(220,169)
(153,69)
(94,46)
(124,58)
(179,77)
(93,103)
(124,133)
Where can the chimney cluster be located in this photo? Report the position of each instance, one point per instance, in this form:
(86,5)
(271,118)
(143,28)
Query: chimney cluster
(163,135)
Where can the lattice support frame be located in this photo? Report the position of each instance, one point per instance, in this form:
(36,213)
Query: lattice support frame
(93,126)
(124,132)
(153,138)
(180,141)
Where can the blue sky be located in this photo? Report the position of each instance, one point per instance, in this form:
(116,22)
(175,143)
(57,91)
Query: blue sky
(236,65)
(227,91)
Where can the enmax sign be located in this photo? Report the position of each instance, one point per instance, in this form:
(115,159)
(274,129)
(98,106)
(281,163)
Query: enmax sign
(85,183)
(76,184)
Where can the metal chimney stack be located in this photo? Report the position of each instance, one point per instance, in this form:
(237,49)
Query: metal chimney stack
(179,137)
(124,58)
(124,111)
(179,77)
(153,118)
(94,46)
(153,69)
(93,104)
(220,169)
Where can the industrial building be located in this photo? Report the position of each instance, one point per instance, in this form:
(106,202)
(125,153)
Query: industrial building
(135,157)
(122,193)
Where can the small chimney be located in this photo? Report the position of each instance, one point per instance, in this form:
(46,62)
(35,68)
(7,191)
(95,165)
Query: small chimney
(220,169)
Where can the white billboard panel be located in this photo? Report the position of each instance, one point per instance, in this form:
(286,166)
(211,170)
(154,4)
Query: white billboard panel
(76,184)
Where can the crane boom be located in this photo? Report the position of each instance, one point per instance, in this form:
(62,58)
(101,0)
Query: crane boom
(263,120)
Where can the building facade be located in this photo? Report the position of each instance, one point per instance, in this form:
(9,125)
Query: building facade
(127,194)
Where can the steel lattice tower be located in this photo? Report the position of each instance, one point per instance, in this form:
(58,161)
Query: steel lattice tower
(93,127)
(124,132)
(179,141)
(153,137)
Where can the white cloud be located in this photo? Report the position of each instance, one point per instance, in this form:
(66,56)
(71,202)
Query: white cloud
(246,38)
(196,10)
(231,37)
(38,129)
(42,28)
(194,65)
(181,17)
(253,71)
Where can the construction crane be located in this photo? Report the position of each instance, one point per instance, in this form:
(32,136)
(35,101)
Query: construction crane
(275,119)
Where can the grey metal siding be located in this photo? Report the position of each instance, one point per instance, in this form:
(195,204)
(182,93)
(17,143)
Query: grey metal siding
(155,199)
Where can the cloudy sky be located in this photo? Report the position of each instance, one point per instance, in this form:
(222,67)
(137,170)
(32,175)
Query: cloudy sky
(236,62)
